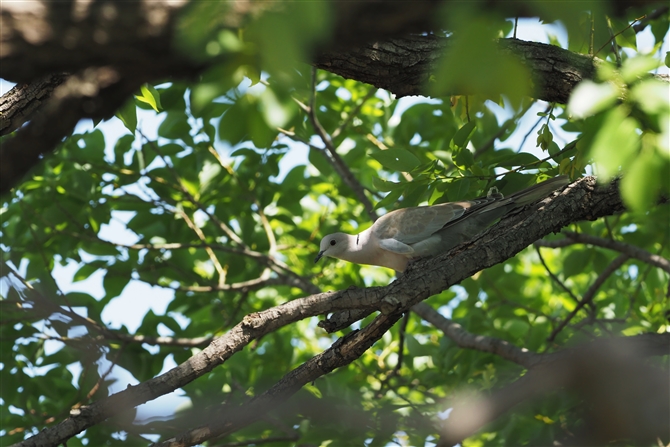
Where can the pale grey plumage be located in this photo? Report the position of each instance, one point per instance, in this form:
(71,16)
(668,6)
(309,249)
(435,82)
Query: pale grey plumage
(423,231)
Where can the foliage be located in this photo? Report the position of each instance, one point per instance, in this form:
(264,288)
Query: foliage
(218,220)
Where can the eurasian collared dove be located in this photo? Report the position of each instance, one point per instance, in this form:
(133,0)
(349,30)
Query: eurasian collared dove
(409,233)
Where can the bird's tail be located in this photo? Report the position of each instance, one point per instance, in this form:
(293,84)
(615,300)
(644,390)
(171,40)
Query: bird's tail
(539,191)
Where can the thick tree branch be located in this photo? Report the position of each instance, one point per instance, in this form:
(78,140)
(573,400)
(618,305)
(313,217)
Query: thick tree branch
(20,103)
(96,93)
(341,353)
(404,65)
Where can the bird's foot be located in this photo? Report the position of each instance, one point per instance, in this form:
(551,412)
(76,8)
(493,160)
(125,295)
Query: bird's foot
(494,194)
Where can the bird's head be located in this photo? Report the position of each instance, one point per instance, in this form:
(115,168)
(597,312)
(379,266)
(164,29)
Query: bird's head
(333,245)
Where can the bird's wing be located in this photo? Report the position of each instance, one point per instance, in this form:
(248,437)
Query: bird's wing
(427,230)
(412,225)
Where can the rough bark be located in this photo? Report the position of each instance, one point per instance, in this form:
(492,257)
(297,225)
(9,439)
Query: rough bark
(19,104)
(403,66)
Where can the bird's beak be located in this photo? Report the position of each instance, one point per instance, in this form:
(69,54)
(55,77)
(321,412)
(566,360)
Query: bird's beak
(319,256)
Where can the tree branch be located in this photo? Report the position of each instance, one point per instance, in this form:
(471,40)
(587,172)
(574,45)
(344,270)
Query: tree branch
(468,340)
(621,247)
(590,293)
(344,351)
(334,158)
(20,103)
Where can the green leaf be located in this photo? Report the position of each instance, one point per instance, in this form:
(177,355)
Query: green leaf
(625,34)
(466,67)
(396,159)
(589,98)
(87,270)
(641,183)
(261,134)
(635,67)
(390,199)
(516,328)
(615,143)
(149,95)
(128,115)
(319,161)
(209,172)
(233,124)
(122,146)
(520,159)
(276,112)
(458,189)
(80,299)
(175,126)
(384,185)
(463,135)
(652,96)
(464,157)
(114,284)
(100,249)
(95,145)
(577,262)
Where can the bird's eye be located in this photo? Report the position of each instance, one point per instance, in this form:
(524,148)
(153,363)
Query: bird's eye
(332,242)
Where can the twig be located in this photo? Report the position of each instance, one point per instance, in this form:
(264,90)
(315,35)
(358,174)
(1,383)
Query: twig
(516,24)
(642,24)
(336,133)
(582,199)
(555,278)
(260,441)
(210,253)
(271,261)
(225,228)
(592,34)
(506,125)
(268,230)
(615,47)
(613,37)
(342,352)
(104,375)
(111,335)
(262,281)
(336,161)
(22,204)
(513,303)
(537,123)
(401,352)
(621,247)
(590,293)
(467,340)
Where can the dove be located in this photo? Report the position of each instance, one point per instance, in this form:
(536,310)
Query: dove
(417,232)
